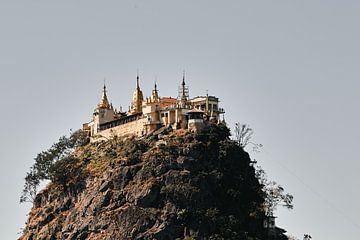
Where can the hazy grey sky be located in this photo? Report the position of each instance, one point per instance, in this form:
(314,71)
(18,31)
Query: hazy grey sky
(290,69)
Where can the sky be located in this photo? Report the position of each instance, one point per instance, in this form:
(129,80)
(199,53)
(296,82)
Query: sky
(288,68)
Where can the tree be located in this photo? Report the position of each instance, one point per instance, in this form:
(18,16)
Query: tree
(43,168)
(243,135)
(30,187)
(274,194)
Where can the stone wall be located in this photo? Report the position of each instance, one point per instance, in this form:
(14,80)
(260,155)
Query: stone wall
(134,128)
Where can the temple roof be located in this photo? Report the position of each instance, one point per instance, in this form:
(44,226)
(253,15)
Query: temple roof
(104,102)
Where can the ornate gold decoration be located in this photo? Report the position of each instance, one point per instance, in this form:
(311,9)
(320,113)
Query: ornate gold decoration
(104,102)
(137,98)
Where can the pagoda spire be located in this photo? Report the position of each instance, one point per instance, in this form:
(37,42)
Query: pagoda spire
(137,80)
(183,85)
(138,98)
(104,89)
(183,96)
(155,94)
(183,80)
(104,102)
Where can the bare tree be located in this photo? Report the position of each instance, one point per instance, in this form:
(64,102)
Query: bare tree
(243,135)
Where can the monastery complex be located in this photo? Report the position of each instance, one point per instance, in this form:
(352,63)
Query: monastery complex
(147,115)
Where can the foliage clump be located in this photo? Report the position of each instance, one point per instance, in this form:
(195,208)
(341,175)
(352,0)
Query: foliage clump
(274,194)
(57,164)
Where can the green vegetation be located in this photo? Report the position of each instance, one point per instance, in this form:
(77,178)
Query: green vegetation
(274,194)
(56,164)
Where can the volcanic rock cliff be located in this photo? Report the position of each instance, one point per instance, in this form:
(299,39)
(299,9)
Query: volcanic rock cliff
(174,185)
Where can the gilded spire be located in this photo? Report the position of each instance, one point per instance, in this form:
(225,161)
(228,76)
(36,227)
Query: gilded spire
(137,97)
(104,102)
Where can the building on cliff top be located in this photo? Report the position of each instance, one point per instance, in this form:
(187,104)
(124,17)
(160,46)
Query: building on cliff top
(147,115)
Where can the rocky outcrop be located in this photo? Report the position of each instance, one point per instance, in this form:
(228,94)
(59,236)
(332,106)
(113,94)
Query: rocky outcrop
(177,186)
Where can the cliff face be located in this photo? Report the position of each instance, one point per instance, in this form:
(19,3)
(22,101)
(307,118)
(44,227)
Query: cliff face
(172,186)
